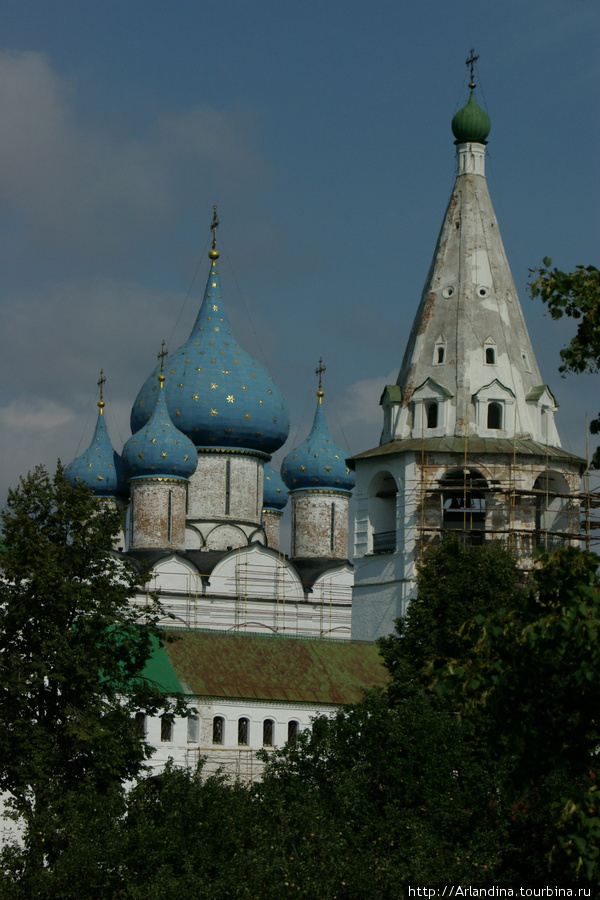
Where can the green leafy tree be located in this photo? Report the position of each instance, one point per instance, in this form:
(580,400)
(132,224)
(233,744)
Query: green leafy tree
(72,654)
(454,584)
(577,295)
(534,674)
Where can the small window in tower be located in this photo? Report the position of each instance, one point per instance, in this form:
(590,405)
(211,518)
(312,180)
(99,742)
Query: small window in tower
(166,729)
(525,362)
(494,416)
(243,731)
(432,415)
(268,729)
(490,356)
(441,352)
(218,729)
(292,731)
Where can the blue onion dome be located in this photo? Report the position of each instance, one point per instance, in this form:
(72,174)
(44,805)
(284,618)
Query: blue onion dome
(275,494)
(100,468)
(471,124)
(216,393)
(318,463)
(160,450)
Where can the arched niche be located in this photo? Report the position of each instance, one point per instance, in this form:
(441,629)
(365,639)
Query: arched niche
(554,510)
(463,504)
(382,497)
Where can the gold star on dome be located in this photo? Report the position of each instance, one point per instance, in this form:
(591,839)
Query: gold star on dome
(152,440)
(247,416)
(163,455)
(89,465)
(217,328)
(213,412)
(229,398)
(213,386)
(337,456)
(244,388)
(252,374)
(198,369)
(262,402)
(186,457)
(226,372)
(275,419)
(187,361)
(180,384)
(213,360)
(236,362)
(215,307)
(229,431)
(214,284)
(194,396)
(177,413)
(141,455)
(328,468)
(303,468)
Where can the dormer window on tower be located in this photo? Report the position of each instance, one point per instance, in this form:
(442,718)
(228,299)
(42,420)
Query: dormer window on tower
(432,414)
(439,352)
(489,352)
(494,415)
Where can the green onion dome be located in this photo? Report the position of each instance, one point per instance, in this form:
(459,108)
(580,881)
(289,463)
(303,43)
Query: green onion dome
(318,463)
(159,449)
(216,393)
(100,468)
(471,124)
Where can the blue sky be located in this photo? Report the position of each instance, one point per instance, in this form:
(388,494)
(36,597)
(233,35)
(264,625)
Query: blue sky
(322,131)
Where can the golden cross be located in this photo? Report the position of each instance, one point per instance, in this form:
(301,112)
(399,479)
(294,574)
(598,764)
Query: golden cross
(214,226)
(320,371)
(471,62)
(161,356)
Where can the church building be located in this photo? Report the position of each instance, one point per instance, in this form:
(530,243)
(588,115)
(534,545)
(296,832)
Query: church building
(469,445)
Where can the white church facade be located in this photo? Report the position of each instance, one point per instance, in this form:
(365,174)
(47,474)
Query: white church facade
(469,444)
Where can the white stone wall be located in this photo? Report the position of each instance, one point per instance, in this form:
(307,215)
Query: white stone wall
(158,514)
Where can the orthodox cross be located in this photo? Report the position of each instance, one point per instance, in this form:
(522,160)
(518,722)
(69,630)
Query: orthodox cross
(320,371)
(471,62)
(161,356)
(101,383)
(214,226)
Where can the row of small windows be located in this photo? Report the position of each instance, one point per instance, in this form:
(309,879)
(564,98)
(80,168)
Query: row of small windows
(243,731)
(494,415)
(439,357)
(218,734)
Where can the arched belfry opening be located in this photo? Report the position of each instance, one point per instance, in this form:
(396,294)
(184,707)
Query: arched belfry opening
(463,504)
(383,494)
(556,518)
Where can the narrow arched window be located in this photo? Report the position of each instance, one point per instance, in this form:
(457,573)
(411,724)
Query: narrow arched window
(193,729)
(440,354)
(494,416)
(432,415)
(292,731)
(268,729)
(166,728)
(218,730)
(243,731)
(490,356)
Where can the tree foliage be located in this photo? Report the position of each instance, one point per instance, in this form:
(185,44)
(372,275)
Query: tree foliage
(72,653)
(577,295)
(534,672)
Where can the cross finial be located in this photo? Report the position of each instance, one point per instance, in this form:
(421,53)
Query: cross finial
(471,62)
(319,371)
(213,227)
(101,383)
(161,356)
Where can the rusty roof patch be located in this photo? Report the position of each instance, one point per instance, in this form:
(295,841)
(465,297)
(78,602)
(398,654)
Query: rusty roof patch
(269,667)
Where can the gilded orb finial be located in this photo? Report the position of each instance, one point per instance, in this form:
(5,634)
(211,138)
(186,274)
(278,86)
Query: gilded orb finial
(101,382)
(213,253)
(471,62)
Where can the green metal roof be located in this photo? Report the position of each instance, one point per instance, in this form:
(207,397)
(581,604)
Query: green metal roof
(267,667)
(159,670)
(472,446)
